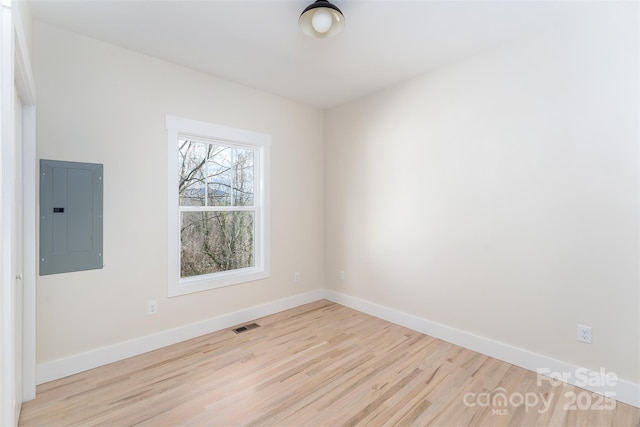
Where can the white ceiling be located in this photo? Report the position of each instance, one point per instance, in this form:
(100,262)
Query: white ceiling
(257,43)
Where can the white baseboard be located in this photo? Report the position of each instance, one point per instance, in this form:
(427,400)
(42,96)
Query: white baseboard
(622,391)
(64,367)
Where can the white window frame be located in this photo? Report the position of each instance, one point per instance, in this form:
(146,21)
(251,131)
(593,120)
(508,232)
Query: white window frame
(178,127)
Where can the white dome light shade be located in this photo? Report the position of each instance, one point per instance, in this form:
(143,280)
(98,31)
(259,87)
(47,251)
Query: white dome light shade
(321,20)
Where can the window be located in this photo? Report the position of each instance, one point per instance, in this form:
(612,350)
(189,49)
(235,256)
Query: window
(218,206)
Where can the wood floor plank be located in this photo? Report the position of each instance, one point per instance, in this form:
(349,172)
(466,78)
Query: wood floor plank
(320,364)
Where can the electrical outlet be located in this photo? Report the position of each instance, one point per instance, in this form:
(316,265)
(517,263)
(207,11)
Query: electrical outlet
(341,275)
(152,307)
(296,277)
(584,334)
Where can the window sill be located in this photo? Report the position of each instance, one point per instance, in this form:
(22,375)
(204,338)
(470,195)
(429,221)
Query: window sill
(215,281)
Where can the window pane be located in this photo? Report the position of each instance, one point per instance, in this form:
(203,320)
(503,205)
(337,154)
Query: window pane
(215,241)
(212,175)
(243,177)
(191,185)
(219,176)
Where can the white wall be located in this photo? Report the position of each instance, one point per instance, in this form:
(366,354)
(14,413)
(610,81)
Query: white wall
(500,195)
(100,103)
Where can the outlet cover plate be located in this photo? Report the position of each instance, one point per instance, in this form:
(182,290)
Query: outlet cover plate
(584,334)
(152,307)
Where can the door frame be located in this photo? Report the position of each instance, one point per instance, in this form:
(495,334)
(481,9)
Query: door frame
(25,85)
(17,79)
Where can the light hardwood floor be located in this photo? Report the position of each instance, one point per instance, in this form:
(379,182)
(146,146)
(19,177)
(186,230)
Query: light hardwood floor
(320,364)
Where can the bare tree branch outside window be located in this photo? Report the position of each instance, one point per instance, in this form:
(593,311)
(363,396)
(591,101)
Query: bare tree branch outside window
(216,197)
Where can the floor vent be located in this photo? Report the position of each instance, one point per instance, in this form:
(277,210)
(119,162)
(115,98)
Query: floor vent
(245,328)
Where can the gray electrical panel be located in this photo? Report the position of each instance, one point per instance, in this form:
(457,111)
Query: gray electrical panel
(70,216)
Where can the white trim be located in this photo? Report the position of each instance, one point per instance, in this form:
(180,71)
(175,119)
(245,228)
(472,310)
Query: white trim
(625,391)
(209,132)
(9,405)
(29,253)
(60,368)
(25,85)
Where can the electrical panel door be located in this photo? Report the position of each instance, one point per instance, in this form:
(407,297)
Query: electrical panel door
(70,216)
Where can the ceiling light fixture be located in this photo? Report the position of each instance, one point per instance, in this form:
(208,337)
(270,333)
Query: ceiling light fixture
(321,19)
